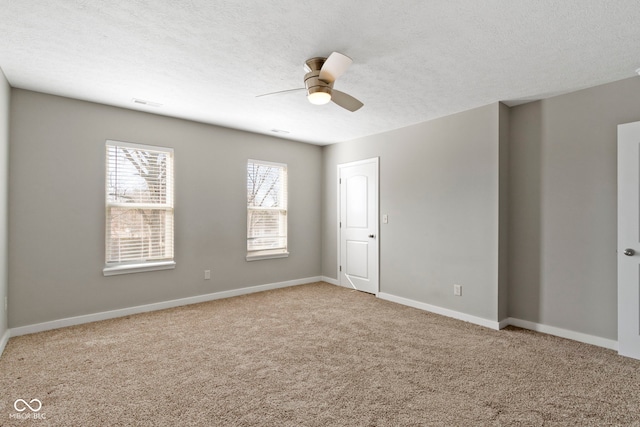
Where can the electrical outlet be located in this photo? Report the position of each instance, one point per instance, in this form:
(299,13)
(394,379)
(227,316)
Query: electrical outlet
(457,290)
(385,219)
(207,274)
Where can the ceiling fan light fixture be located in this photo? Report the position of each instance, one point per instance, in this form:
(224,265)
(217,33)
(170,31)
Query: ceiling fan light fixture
(319,79)
(319,98)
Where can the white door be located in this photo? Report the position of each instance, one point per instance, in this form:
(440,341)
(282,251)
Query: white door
(629,240)
(358,227)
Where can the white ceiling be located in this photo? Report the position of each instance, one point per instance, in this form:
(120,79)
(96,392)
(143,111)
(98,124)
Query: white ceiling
(413,60)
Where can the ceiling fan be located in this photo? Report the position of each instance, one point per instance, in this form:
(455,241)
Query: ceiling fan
(318,82)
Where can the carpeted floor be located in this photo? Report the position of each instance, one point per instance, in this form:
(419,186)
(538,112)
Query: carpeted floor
(312,355)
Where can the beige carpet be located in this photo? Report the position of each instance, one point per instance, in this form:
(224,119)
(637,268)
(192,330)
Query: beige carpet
(312,355)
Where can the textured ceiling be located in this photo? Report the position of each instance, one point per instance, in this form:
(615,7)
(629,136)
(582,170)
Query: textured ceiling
(413,61)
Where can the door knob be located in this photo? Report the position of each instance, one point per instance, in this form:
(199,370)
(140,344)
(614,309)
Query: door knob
(372,236)
(629,252)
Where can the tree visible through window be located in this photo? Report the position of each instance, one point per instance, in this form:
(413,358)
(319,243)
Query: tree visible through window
(139,203)
(266,209)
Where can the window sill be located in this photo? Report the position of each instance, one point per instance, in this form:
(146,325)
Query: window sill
(113,270)
(259,255)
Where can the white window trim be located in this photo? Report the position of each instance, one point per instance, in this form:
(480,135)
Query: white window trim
(113,269)
(116,143)
(266,162)
(267,254)
(270,253)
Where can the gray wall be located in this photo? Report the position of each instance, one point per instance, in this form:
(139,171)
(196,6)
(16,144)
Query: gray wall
(553,220)
(534,184)
(5,95)
(562,224)
(439,184)
(56,208)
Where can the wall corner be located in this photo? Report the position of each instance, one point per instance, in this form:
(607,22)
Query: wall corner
(503,209)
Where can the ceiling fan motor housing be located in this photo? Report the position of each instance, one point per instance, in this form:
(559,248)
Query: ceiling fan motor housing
(311,80)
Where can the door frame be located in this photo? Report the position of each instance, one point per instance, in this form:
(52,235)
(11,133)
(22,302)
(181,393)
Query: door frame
(628,175)
(376,161)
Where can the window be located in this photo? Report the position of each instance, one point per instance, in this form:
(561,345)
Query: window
(139,208)
(266,210)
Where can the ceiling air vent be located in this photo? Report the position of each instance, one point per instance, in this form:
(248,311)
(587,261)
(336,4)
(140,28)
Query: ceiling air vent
(144,102)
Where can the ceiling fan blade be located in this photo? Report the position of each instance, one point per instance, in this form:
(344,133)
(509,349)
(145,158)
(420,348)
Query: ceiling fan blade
(335,65)
(347,102)
(281,91)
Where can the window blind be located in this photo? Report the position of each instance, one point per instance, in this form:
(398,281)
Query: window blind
(139,203)
(266,206)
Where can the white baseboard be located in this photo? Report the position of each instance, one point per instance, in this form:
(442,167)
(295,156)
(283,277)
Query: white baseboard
(439,310)
(564,333)
(336,283)
(330,280)
(4,340)
(525,324)
(78,320)
(503,323)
